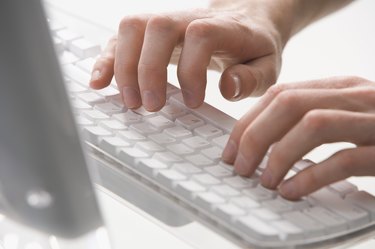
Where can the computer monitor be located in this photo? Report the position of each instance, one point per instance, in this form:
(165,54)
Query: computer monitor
(44,182)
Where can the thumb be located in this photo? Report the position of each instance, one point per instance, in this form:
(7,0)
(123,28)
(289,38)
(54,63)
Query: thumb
(249,79)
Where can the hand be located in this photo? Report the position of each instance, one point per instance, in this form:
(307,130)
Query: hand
(294,119)
(243,39)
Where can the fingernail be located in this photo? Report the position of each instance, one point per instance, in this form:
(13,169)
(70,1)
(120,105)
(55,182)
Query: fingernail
(289,189)
(150,101)
(230,151)
(96,75)
(241,165)
(190,99)
(266,179)
(131,97)
(237,87)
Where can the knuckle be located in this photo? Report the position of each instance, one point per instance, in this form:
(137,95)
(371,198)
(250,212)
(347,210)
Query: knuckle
(161,23)
(131,22)
(199,29)
(314,121)
(275,90)
(287,98)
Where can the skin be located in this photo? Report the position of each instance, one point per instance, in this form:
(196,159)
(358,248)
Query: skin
(244,39)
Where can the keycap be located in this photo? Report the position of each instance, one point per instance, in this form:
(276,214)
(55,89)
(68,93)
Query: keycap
(93,133)
(265,214)
(208,200)
(167,157)
(149,146)
(82,121)
(75,88)
(112,124)
(218,171)
(257,228)
(241,182)
(67,58)
(55,26)
(131,136)
(143,128)
(244,202)
(86,64)
(199,160)
(213,153)
(332,221)
(172,111)
(178,132)
(343,188)
(260,193)
(108,92)
(288,230)
(160,122)
(364,200)
(189,121)
(83,48)
(80,105)
(108,108)
(225,190)
(186,168)
(180,149)
(150,166)
(188,189)
(221,141)
(76,74)
(67,36)
(128,118)
(206,179)
(143,112)
(196,142)
(355,215)
(91,98)
(112,144)
(95,115)
(130,156)
(169,178)
(311,227)
(162,138)
(208,131)
(229,211)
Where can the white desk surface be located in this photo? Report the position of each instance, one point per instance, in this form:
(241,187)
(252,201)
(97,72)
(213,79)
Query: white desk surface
(341,44)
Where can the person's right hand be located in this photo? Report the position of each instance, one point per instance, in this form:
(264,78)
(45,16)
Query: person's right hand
(243,39)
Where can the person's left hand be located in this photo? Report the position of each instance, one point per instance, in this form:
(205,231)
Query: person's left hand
(294,119)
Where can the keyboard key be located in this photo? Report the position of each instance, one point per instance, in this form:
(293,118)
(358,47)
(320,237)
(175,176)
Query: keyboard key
(289,230)
(311,227)
(333,222)
(208,200)
(162,138)
(343,188)
(199,160)
(77,75)
(208,131)
(178,132)
(206,179)
(169,177)
(150,166)
(131,136)
(160,122)
(75,88)
(108,108)
(265,214)
(258,228)
(143,112)
(229,211)
(91,98)
(167,157)
(67,58)
(221,141)
(82,121)
(172,111)
(112,124)
(218,171)
(86,64)
(260,193)
(239,182)
(83,48)
(94,133)
(180,149)
(130,156)
(188,189)
(128,118)
(213,153)
(364,200)
(112,144)
(143,128)
(149,146)
(225,190)
(196,142)
(186,168)
(80,105)
(108,92)
(244,202)
(67,36)
(189,121)
(95,115)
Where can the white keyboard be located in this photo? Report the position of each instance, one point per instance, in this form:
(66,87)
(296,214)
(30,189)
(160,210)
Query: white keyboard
(178,151)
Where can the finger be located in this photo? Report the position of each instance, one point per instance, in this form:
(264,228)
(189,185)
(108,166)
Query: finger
(317,127)
(231,149)
(351,162)
(250,79)
(128,50)
(102,71)
(161,36)
(256,141)
(203,38)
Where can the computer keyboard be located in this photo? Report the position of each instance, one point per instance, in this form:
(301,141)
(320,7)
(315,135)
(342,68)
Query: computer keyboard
(178,150)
